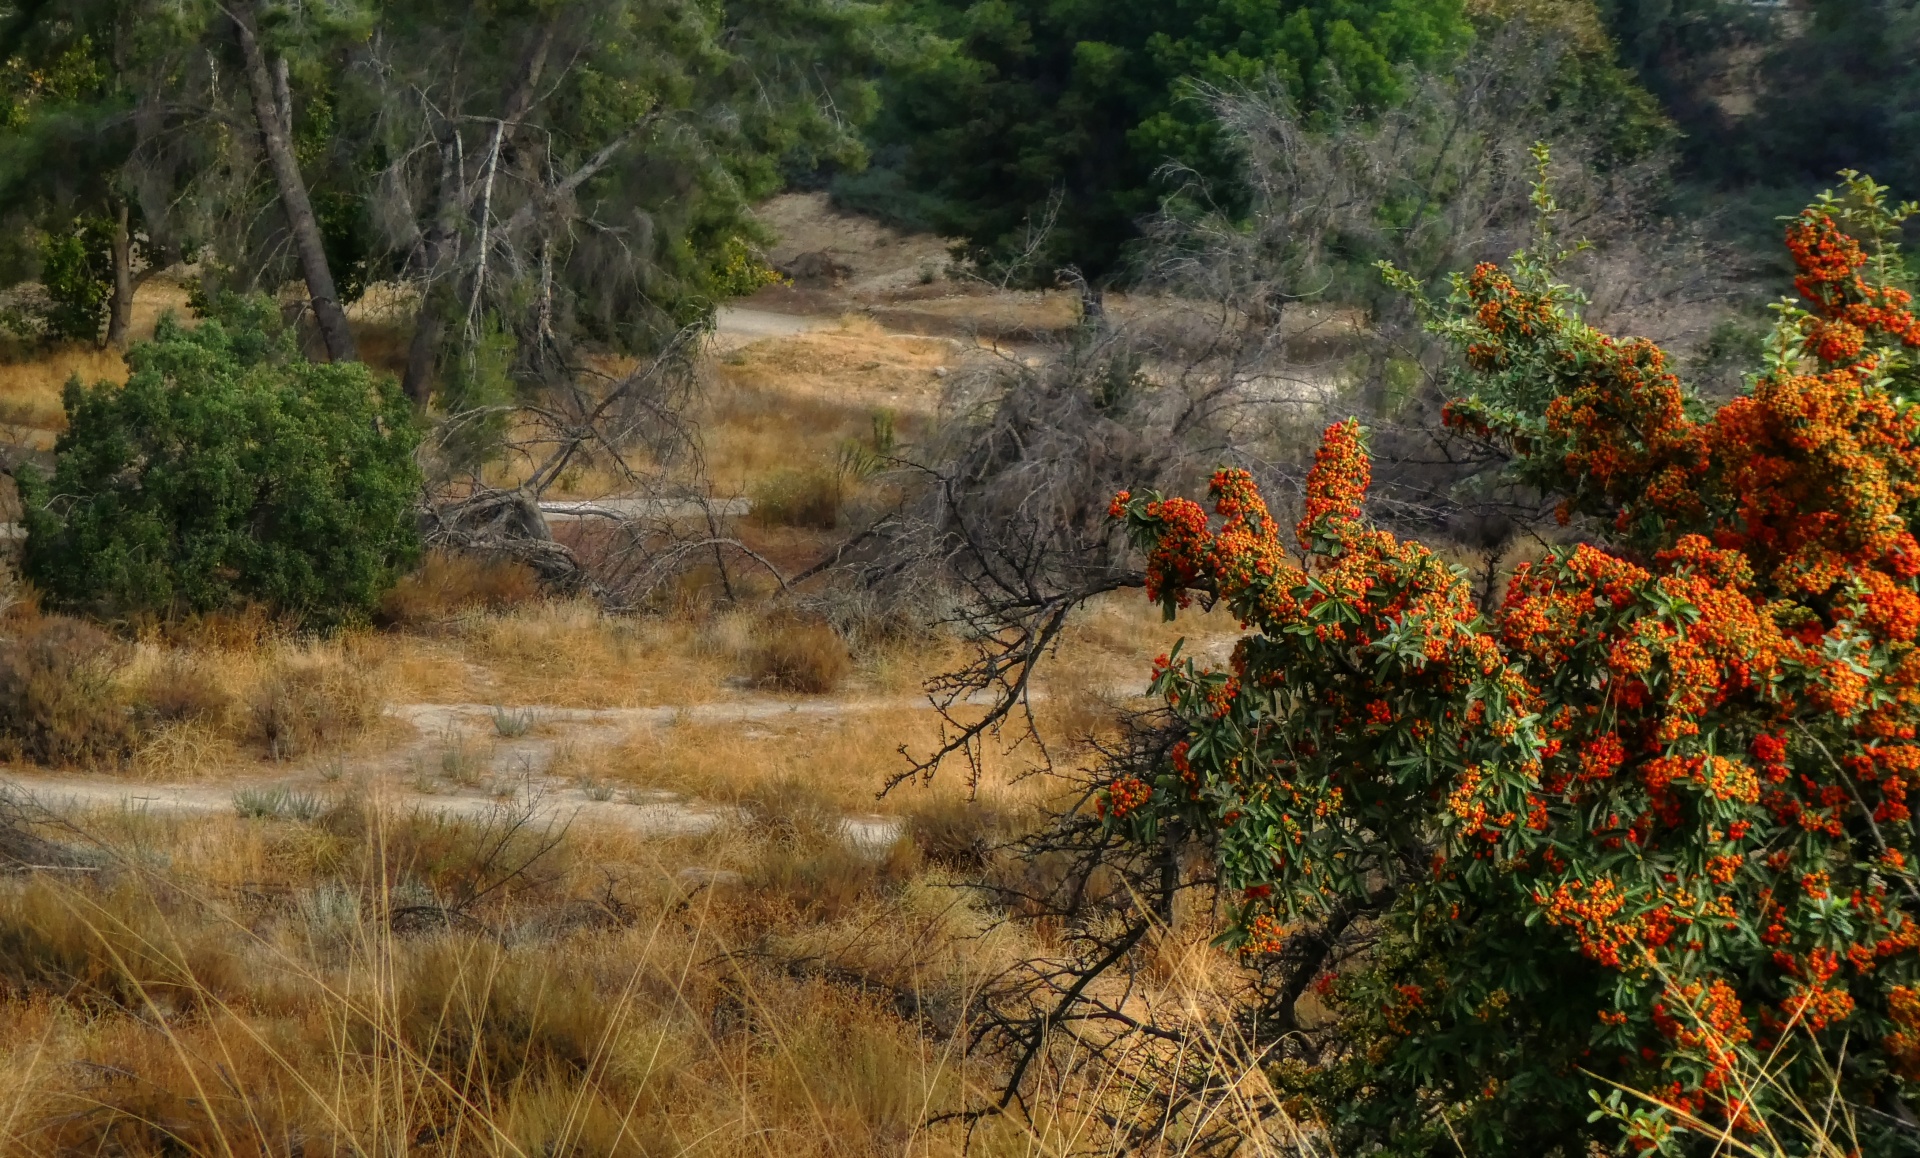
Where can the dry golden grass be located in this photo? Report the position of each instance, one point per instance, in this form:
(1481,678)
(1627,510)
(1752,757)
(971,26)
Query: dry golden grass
(560,654)
(213,710)
(989,315)
(844,759)
(798,655)
(290,984)
(856,364)
(448,583)
(293,987)
(270,990)
(567,654)
(1108,645)
(276,988)
(196,1018)
(790,404)
(30,390)
(74,696)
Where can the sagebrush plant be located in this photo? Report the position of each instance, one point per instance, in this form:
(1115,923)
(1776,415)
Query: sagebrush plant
(1645,822)
(227,471)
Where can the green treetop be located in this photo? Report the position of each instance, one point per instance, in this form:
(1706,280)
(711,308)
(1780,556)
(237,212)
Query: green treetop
(1040,130)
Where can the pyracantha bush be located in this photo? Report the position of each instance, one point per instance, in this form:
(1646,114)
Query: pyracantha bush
(1645,826)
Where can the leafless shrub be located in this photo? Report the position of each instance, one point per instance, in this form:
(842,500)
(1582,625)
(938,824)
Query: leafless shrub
(60,703)
(793,654)
(309,706)
(1127,1014)
(178,691)
(1007,529)
(636,427)
(959,834)
(461,864)
(448,582)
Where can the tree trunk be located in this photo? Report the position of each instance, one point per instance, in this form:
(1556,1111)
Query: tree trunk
(417,382)
(1093,304)
(120,310)
(440,236)
(327,312)
(438,240)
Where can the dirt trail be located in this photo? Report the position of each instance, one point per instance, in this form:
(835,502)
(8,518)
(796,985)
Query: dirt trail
(735,326)
(520,746)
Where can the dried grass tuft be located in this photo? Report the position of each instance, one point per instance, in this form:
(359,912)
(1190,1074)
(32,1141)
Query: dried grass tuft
(311,703)
(809,499)
(448,583)
(797,655)
(59,701)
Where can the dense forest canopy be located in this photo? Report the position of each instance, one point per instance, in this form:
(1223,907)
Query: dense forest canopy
(544,173)
(1038,131)
(540,172)
(1781,95)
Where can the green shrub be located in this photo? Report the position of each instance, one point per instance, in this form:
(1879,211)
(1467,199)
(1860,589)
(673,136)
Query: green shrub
(227,471)
(76,273)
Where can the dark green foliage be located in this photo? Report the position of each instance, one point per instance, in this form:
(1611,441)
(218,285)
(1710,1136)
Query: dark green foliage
(683,113)
(69,130)
(1061,119)
(227,471)
(478,385)
(1842,94)
(1592,92)
(77,274)
(1782,95)
(1675,48)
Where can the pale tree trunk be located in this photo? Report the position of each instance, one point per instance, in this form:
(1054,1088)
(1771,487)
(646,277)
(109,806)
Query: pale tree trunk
(441,234)
(120,310)
(275,134)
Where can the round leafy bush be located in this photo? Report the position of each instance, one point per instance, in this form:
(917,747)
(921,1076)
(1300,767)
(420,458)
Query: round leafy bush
(227,471)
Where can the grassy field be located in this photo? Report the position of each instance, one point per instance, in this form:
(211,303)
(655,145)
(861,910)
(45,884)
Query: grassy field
(508,876)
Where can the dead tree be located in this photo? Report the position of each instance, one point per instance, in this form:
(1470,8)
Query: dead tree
(637,426)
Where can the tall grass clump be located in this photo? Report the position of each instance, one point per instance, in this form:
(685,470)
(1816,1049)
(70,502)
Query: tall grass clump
(448,583)
(810,499)
(798,655)
(61,703)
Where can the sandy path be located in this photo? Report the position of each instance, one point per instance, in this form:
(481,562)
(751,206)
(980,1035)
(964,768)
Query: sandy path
(735,326)
(516,772)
